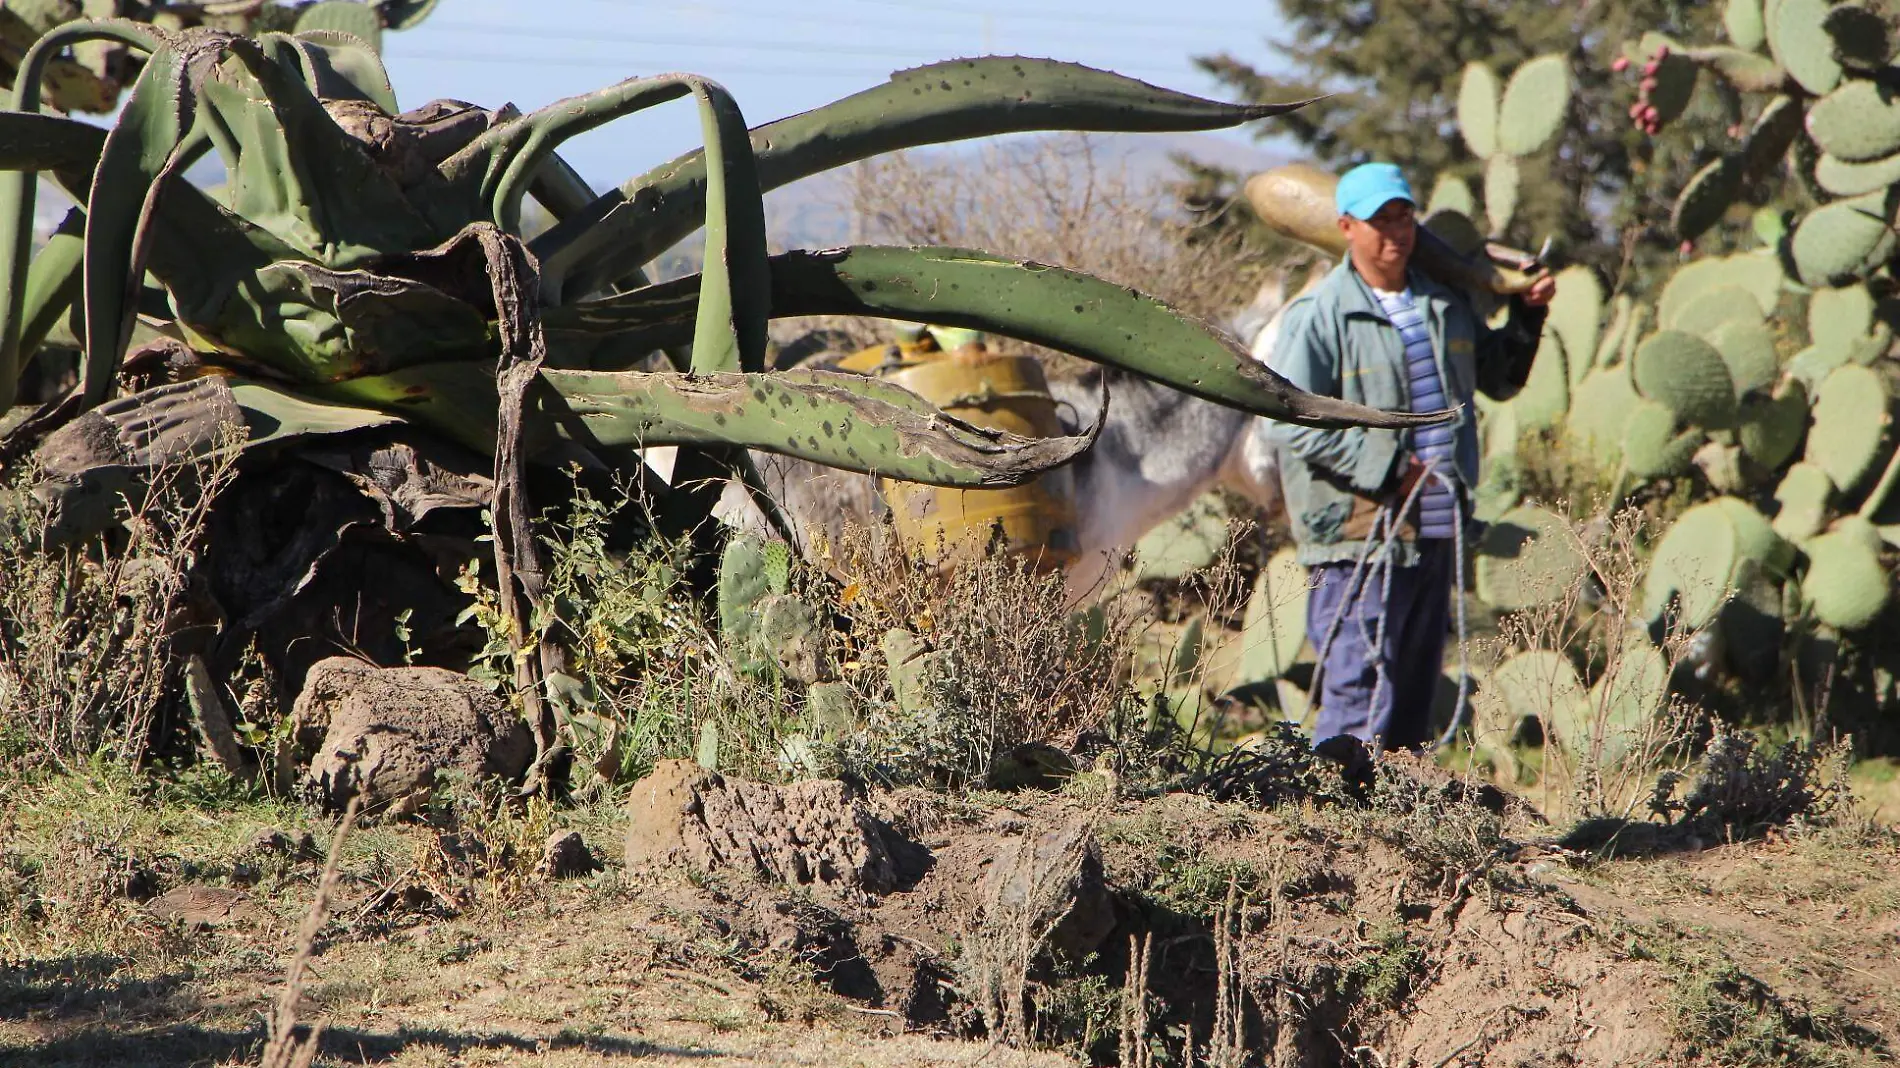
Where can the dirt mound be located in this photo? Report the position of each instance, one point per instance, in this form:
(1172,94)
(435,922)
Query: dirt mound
(391,730)
(816,832)
(1410,930)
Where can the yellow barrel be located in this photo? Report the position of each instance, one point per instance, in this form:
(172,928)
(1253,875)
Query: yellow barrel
(1035,520)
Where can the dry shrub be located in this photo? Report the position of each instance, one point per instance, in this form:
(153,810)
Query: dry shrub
(1741,787)
(85,631)
(1055,199)
(1011,663)
(1604,769)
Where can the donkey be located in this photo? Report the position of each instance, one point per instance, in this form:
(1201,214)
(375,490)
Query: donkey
(1158,451)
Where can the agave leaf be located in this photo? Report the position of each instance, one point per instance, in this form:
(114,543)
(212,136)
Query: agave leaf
(840,420)
(152,141)
(1051,306)
(335,66)
(34,142)
(925,105)
(296,173)
(18,190)
(500,165)
(52,282)
(109,451)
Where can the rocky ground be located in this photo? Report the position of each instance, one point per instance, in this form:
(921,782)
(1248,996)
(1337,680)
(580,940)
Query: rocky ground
(150,921)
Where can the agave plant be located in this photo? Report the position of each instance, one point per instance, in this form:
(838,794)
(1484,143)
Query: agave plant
(364,267)
(92,77)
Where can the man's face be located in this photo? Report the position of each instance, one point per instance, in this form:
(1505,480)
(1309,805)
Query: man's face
(1386,239)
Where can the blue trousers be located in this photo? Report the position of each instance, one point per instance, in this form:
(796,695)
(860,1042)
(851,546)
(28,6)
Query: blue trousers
(1384,693)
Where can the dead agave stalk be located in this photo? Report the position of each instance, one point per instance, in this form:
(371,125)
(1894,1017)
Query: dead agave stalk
(284,1050)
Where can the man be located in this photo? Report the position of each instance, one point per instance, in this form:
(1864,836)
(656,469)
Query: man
(1377,332)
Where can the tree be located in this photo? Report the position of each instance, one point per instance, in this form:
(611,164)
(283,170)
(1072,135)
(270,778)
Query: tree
(1393,69)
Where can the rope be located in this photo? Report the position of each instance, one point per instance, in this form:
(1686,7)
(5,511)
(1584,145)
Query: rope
(1376,556)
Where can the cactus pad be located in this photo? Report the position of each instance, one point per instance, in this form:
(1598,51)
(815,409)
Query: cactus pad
(1675,81)
(1478,110)
(1771,427)
(1600,409)
(1275,624)
(1850,418)
(1652,447)
(1840,242)
(1748,348)
(1693,566)
(1716,308)
(1574,314)
(1862,39)
(744,584)
(1845,585)
(1545,397)
(1755,538)
(1632,690)
(1611,341)
(1707,197)
(1528,558)
(1501,180)
(1189,542)
(1866,350)
(1688,282)
(1534,104)
(1840,317)
(1812,365)
(1743,21)
(1540,683)
(1857,123)
(1845,179)
(1450,193)
(1686,374)
(1760,274)
(1801,502)
(1633,333)
(1800,43)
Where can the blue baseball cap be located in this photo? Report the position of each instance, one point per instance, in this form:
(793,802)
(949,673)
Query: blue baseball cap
(1370,186)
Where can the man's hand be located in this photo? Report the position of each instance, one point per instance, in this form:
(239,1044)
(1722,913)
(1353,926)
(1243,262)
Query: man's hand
(1540,292)
(1409,476)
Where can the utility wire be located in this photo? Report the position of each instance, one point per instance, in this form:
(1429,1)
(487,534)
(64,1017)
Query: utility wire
(630,65)
(905,54)
(1082,26)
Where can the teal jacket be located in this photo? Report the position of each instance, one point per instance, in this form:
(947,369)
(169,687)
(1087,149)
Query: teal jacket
(1336,341)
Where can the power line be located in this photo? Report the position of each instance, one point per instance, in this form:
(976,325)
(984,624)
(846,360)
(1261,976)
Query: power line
(674,39)
(904,54)
(1042,13)
(630,65)
(1079,25)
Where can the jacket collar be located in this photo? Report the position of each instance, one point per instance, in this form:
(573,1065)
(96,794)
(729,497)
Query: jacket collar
(1355,297)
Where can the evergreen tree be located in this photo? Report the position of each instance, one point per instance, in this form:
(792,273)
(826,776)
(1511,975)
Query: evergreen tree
(1393,68)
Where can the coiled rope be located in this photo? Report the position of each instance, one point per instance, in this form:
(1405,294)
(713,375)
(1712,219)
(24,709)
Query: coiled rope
(1376,558)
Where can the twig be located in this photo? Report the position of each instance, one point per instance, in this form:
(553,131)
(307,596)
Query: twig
(283,1050)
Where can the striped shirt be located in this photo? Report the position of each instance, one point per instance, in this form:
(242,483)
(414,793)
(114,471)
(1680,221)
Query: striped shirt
(1432,444)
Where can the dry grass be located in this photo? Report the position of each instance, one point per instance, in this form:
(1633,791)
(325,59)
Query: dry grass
(86,653)
(1008,662)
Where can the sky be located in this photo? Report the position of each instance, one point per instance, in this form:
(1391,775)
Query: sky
(780,57)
